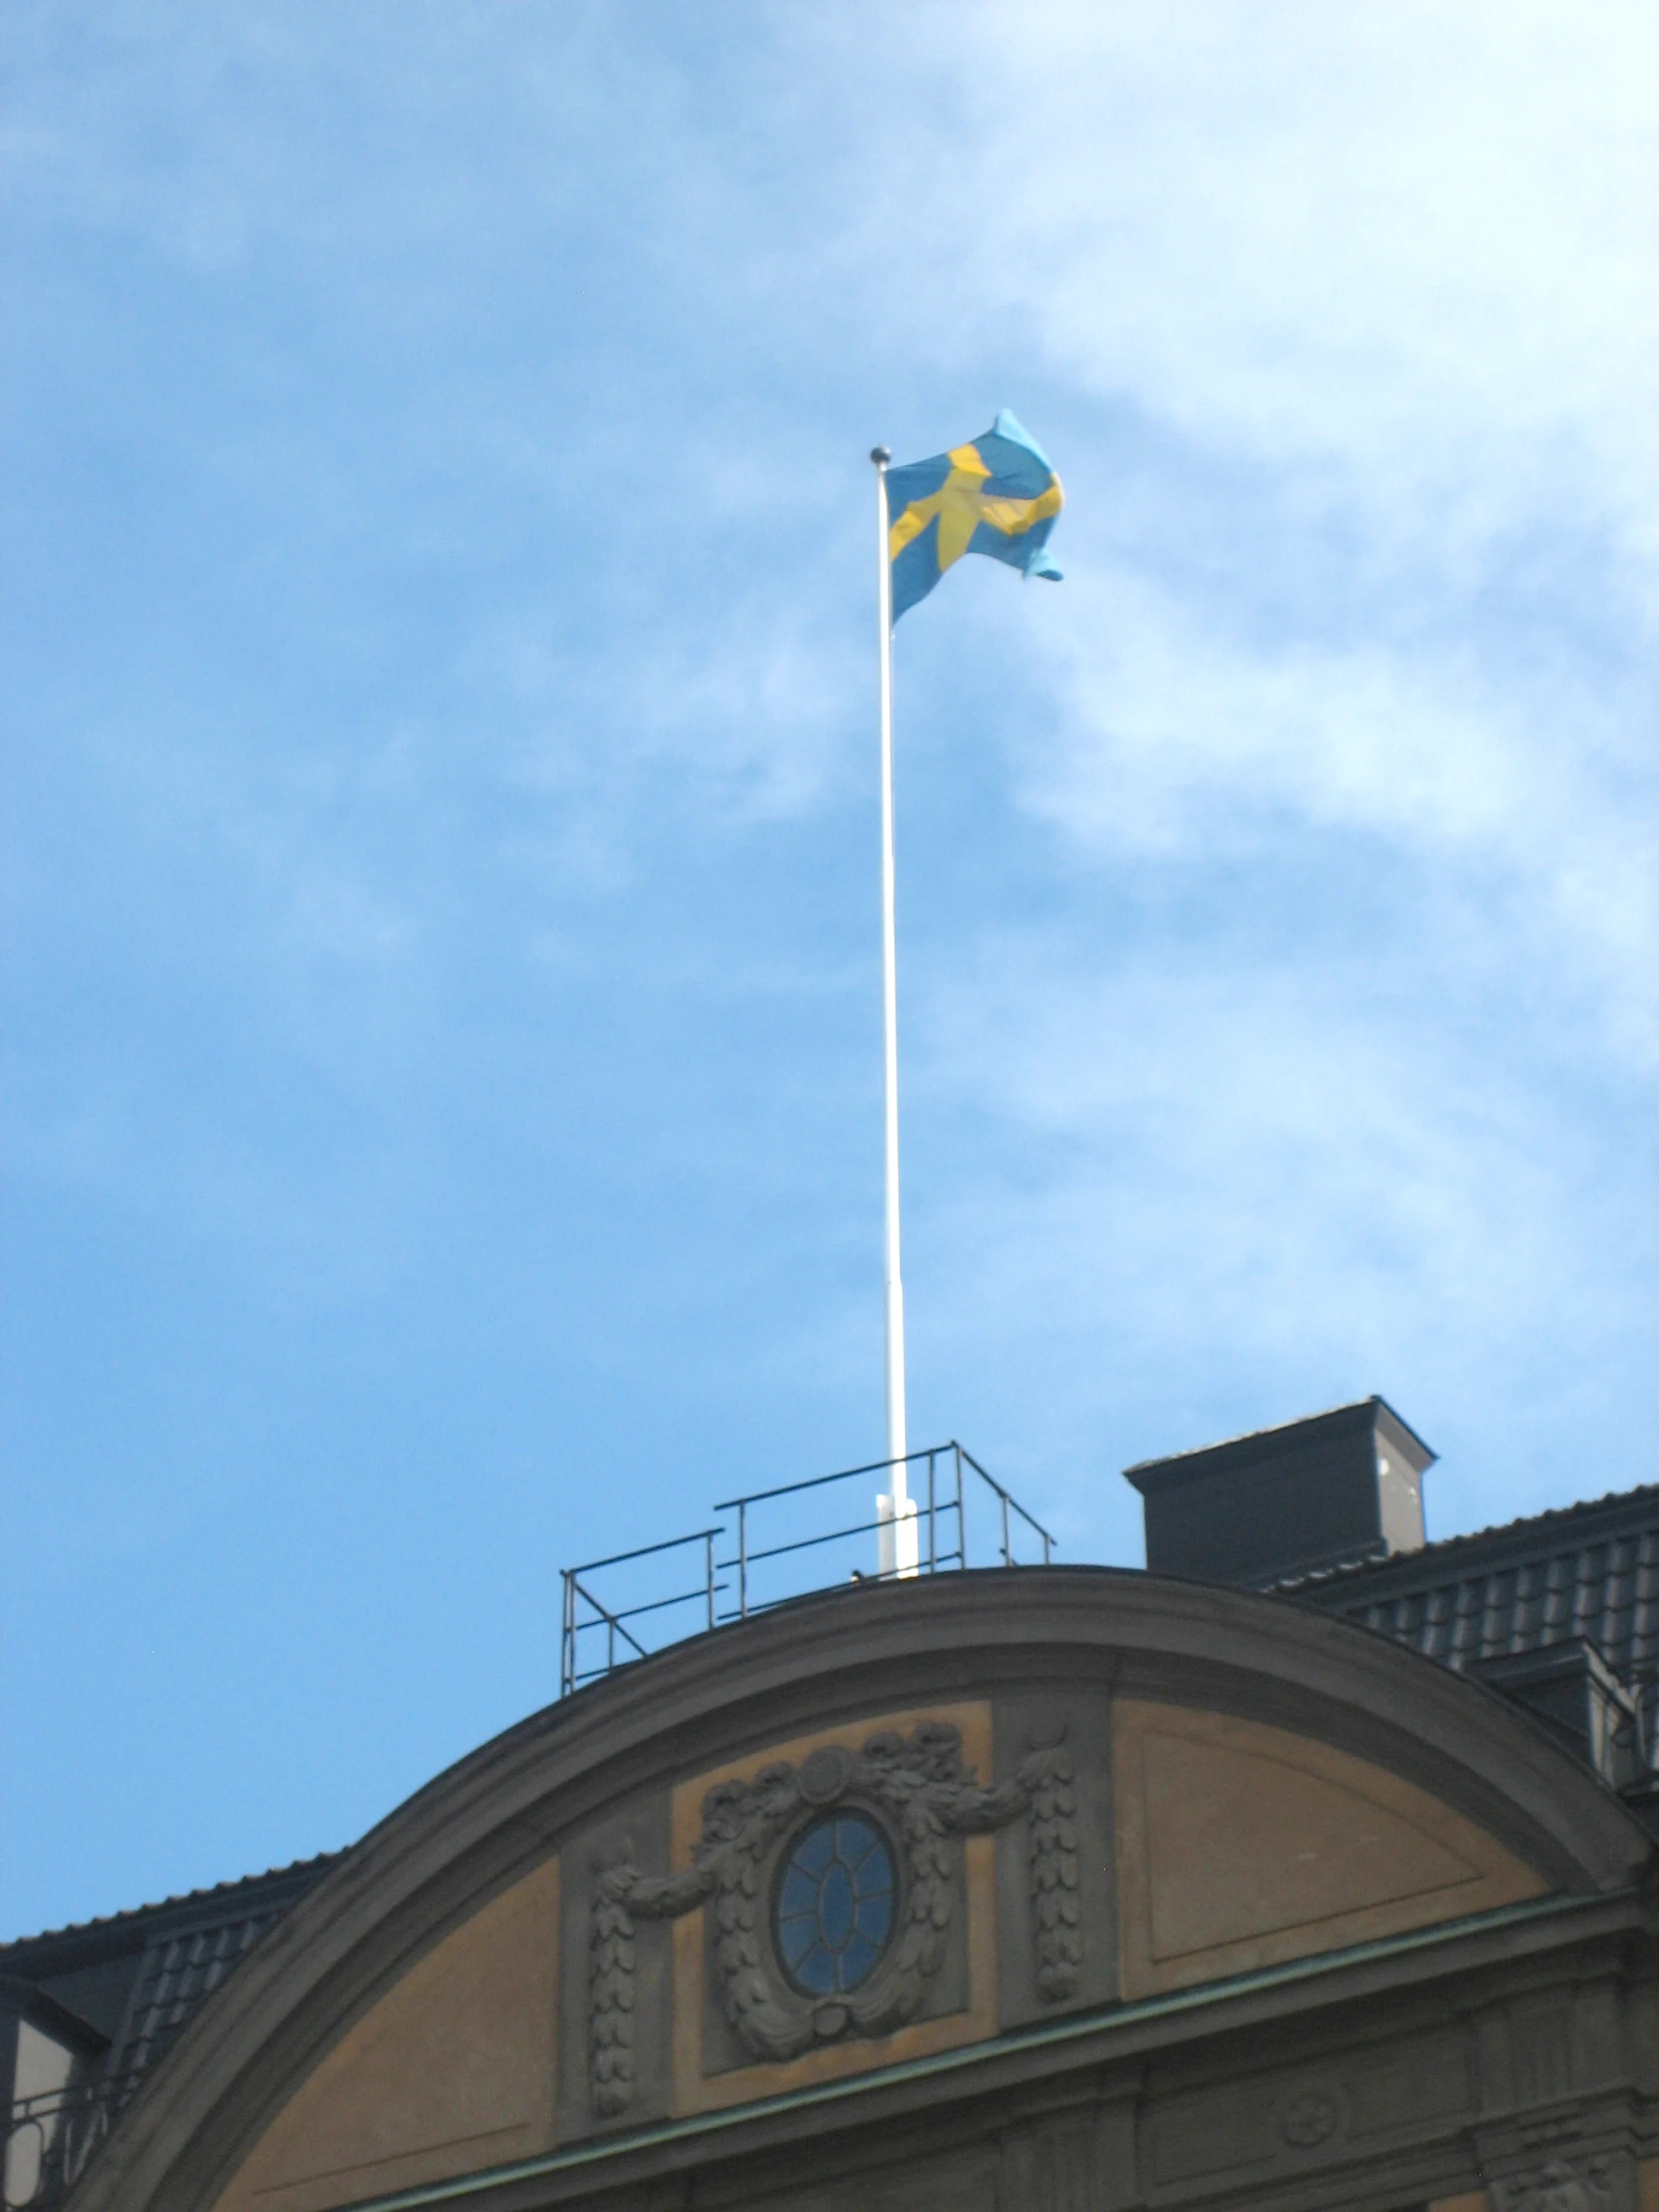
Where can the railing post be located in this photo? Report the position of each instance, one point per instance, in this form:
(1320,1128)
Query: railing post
(615,1625)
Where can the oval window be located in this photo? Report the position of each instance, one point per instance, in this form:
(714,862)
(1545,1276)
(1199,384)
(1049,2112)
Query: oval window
(834,1907)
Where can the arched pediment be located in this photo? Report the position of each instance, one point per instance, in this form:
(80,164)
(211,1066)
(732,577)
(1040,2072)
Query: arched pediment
(1095,1786)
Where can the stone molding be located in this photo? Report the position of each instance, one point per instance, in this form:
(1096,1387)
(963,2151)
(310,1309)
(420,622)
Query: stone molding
(922,1785)
(1560,2185)
(490,1819)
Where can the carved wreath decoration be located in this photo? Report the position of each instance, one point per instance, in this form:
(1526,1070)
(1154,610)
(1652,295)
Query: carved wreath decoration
(920,1789)
(1559,2186)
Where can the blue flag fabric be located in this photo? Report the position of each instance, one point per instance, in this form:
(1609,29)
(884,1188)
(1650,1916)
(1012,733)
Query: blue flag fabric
(999,496)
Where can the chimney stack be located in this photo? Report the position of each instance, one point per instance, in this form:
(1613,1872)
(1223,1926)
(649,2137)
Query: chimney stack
(1329,1491)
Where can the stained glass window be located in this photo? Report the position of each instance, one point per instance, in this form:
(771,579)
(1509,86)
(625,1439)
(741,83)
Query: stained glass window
(836,1905)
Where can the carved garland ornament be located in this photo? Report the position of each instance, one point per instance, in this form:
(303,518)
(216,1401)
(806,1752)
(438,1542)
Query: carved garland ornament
(923,1792)
(1563,2185)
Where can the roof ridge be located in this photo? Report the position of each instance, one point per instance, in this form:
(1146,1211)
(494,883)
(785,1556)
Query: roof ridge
(1405,1561)
(317,1861)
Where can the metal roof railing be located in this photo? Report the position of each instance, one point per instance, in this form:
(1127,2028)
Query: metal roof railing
(603,1627)
(49,2140)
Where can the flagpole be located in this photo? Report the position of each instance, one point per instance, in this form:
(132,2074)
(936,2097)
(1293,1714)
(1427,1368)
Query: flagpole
(899,1549)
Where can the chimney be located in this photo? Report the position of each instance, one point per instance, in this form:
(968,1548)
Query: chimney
(1329,1491)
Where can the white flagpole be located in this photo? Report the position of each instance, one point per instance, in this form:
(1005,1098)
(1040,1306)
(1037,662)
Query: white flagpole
(896,1511)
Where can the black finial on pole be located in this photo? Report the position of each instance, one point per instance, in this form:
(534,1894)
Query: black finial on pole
(879,455)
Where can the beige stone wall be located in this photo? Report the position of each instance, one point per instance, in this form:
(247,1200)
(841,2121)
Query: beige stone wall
(452,2070)
(1236,1846)
(1242,1846)
(1479,2200)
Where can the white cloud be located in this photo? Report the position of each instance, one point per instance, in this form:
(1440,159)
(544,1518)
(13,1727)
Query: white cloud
(1234,1191)
(1411,238)
(439,685)
(1176,742)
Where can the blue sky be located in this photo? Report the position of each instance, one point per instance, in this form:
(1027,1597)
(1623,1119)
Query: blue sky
(442,1031)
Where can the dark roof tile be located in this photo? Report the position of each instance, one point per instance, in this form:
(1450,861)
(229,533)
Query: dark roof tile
(137,1977)
(1587,1571)
(299,1874)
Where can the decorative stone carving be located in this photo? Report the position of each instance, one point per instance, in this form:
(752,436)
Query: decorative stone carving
(1052,2167)
(1309,2119)
(923,1794)
(1056,1911)
(1563,2185)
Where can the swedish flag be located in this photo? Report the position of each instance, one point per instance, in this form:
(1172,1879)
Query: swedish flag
(999,496)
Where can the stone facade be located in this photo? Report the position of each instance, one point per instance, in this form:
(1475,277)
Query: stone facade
(1187,1897)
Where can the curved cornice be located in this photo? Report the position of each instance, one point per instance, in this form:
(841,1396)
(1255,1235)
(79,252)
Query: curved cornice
(485,1820)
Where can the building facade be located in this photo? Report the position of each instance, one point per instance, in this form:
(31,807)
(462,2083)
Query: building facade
(1070,1889)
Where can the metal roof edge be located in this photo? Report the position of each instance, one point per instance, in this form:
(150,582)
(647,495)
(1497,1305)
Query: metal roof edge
(1444,1552)
(135,1918)
(1253,1443)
